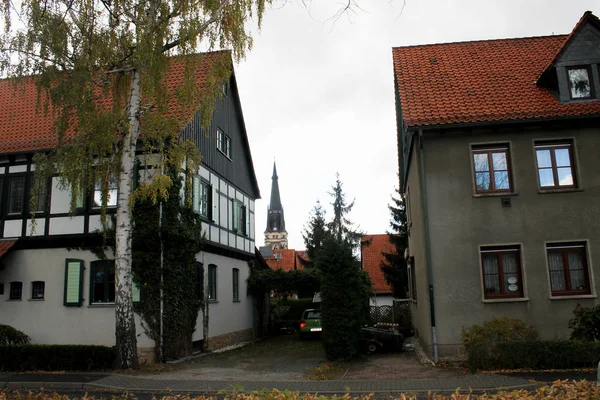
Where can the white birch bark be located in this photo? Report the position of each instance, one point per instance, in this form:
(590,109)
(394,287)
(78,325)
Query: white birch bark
(126,342)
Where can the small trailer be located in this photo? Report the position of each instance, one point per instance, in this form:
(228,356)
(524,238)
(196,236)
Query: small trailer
(378,339)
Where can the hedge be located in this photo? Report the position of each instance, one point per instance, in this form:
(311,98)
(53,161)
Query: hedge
(36,357)
(534,354)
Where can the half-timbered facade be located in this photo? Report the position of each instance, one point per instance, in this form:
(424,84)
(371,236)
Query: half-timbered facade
(58,293)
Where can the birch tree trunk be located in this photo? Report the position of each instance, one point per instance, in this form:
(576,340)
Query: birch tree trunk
(126,342)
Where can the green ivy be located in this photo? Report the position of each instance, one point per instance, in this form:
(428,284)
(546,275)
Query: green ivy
(182,276)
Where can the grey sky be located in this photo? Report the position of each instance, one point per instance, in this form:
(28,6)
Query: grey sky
(320,99)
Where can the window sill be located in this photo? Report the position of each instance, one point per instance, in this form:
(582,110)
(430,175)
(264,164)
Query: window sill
(14,299)
(506,300)
(559,190)
(573,297)
(495,194)
(36,299)
(101,305)
(226,156)
(213,301)
(237,301)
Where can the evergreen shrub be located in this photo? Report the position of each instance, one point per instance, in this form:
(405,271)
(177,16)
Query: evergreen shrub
(585,323)
(344,300)
(10,335)
(36,357)
(481,341)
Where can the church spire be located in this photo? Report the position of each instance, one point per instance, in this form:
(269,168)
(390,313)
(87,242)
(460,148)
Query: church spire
(275,234)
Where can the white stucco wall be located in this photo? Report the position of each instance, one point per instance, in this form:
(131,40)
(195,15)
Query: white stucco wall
(225,314)
(48,321)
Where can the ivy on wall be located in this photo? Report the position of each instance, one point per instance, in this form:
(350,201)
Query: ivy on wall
(182,276)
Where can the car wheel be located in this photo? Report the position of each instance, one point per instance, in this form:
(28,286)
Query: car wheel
(372,347)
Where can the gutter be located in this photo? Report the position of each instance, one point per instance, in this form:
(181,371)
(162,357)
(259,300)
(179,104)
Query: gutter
(427,246)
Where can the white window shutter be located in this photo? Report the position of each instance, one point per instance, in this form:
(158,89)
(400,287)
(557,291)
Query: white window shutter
(234,213)
(215,204)
(196,193)
(247,220)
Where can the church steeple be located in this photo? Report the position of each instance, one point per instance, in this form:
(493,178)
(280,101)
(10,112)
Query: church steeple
(275,234)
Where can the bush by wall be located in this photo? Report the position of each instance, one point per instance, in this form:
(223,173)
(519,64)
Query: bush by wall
(536,354)
(585,323)
(10,335)
(480,340)
(34,357)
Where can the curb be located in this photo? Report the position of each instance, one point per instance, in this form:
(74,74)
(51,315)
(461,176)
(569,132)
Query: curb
(92,386)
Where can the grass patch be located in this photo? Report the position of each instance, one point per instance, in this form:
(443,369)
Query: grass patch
(327,371)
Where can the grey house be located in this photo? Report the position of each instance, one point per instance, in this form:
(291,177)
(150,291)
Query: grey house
(499,151)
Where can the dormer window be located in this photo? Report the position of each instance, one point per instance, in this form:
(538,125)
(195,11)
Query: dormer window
(580,82)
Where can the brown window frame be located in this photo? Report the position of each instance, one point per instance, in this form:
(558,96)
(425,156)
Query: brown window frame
(489,150)
(16,290)
(564,248)
(553,146)
(504,293)
(590,77)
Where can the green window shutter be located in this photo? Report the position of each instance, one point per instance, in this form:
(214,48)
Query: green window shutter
(73,295)
(135,291)
(196,194)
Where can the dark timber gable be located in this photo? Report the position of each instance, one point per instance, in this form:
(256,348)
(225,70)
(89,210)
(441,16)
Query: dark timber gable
(238,169)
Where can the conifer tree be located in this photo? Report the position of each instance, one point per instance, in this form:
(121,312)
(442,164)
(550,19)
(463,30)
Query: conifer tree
(340,227)
(100,67)
(394,267)
(314,234)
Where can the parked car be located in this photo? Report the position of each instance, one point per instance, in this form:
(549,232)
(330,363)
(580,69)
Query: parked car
(310,325)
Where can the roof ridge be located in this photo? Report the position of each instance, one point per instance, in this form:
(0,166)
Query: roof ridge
(481,41)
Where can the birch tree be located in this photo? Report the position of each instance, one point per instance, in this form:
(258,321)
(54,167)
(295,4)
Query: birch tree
(100,67)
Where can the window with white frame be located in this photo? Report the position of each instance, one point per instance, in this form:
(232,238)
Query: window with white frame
(212,282)
(16,291)
(223,143)
(235,284)
(238,217)
(201,199)
(38,289)
(111,195)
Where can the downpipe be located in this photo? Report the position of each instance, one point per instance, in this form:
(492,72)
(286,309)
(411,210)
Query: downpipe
(427,247)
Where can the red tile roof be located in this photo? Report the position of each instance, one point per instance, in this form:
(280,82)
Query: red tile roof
(5,246)
(290,259)
(372,258)
(484,81)
(24,127)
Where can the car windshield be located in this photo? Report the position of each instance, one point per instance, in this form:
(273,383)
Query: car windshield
(316,314)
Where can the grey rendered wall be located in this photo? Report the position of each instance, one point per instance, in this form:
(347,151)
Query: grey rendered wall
(416,243)
(460,222)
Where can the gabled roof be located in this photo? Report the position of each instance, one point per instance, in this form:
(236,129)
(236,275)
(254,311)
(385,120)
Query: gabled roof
(5,246)
(587,17)
(482,81)
(286,259)
(372,257)
(25,127)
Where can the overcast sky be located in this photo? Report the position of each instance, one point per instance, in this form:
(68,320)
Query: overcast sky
(320,98)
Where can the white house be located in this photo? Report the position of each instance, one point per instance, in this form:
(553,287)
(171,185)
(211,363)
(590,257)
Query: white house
(46,290)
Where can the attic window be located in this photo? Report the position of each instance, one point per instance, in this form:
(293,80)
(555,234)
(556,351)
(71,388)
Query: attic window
(580,82)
